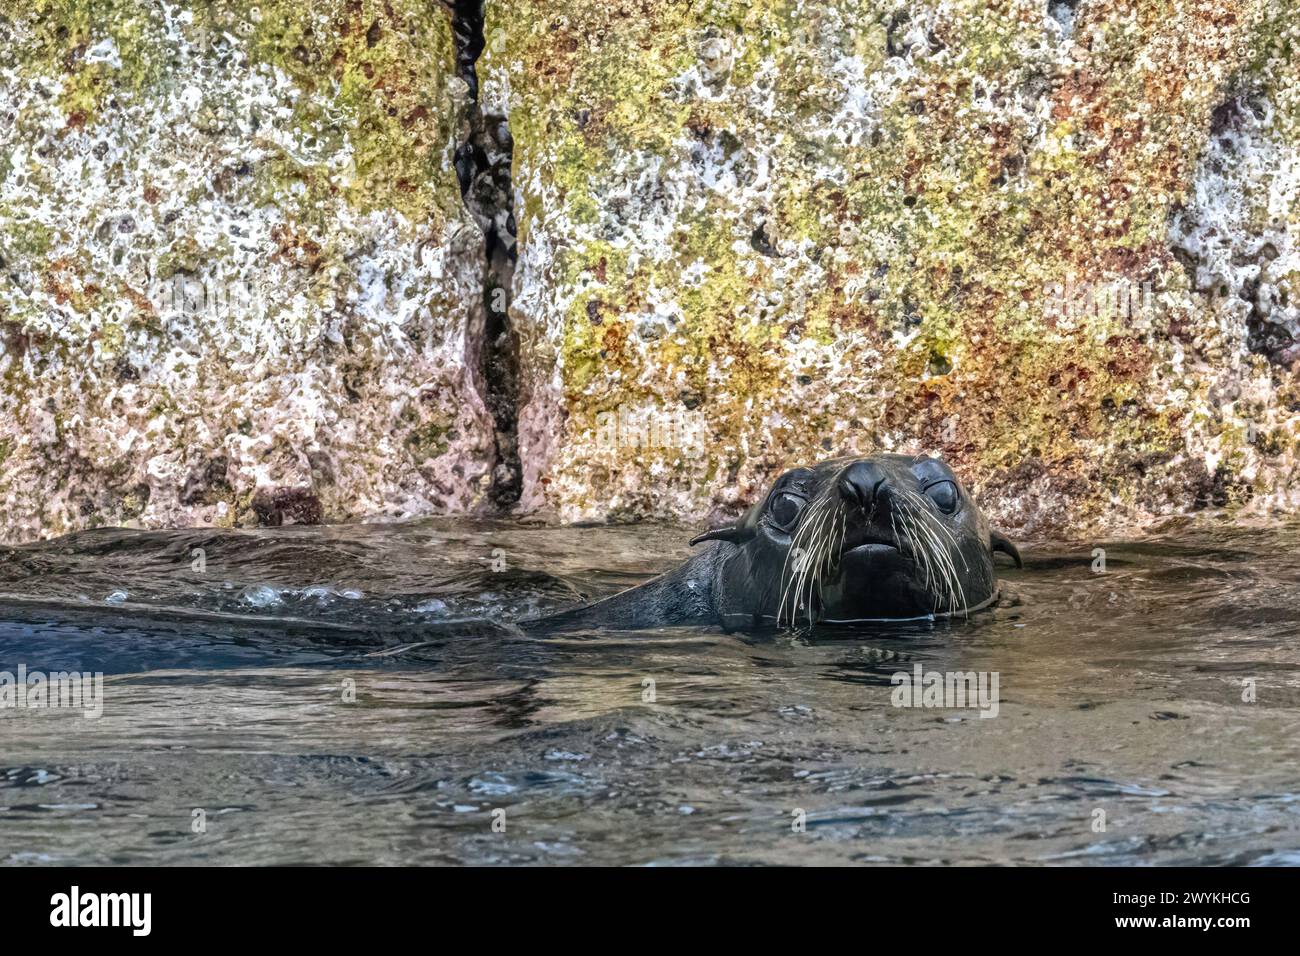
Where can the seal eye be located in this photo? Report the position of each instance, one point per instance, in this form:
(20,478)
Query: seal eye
(944,496)
(785,509)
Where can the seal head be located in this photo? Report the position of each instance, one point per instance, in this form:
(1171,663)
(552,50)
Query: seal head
(885,537)
(877,538)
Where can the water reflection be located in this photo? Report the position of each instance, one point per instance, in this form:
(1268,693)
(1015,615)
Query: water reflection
(361,694)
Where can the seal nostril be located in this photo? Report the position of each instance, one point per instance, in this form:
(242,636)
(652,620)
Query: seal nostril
(860,485)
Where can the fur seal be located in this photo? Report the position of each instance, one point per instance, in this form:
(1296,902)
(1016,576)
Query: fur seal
(885,537)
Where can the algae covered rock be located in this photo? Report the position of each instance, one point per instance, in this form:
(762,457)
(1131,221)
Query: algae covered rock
(1052,240)
(233,261)
(777,231)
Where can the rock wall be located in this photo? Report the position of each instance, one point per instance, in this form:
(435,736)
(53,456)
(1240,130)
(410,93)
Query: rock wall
(237,279)
(1054,241)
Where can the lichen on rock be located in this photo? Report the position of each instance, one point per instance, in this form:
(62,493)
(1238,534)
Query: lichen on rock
(1053,241)
(822,228)
(236,267)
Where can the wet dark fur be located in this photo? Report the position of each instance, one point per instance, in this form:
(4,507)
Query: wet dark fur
(877,538)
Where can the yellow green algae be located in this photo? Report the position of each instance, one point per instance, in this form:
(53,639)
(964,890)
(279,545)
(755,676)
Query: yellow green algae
(236,259)
(762,232)
(829,227)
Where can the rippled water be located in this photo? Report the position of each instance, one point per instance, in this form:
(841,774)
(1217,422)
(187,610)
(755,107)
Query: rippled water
(224,692)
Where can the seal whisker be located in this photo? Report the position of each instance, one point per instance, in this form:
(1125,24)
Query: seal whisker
(791,551)
(934,527)
(936,574)
(813,572)
(934,552)
(920,553)
(830,555)
(943,565)
(935,523)
(784,579)
(787,580)
(945,572)
(791,588)
(918,546)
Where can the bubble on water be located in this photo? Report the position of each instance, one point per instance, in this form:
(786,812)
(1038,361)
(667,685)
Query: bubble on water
(432,606)
(259,595)
(492,784)
(117,597)
(324,593)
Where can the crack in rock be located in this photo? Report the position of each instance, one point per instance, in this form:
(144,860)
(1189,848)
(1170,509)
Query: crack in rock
(483,162)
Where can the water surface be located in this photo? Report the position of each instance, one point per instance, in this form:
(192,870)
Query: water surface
(228,691)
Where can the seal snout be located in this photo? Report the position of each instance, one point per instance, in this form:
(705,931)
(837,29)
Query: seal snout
(861,484)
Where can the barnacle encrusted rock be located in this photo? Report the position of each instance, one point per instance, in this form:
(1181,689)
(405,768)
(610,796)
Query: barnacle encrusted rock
(787,229)
(1053,240)
(236,273)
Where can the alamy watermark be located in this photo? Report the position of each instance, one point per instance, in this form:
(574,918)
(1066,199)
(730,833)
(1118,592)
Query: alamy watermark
(952,690)
(649,429)
(75,908)
(1075,302)
(37,690)
(210,298)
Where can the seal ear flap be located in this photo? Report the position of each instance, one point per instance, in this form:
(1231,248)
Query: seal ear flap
(733,534)
(1000,542)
